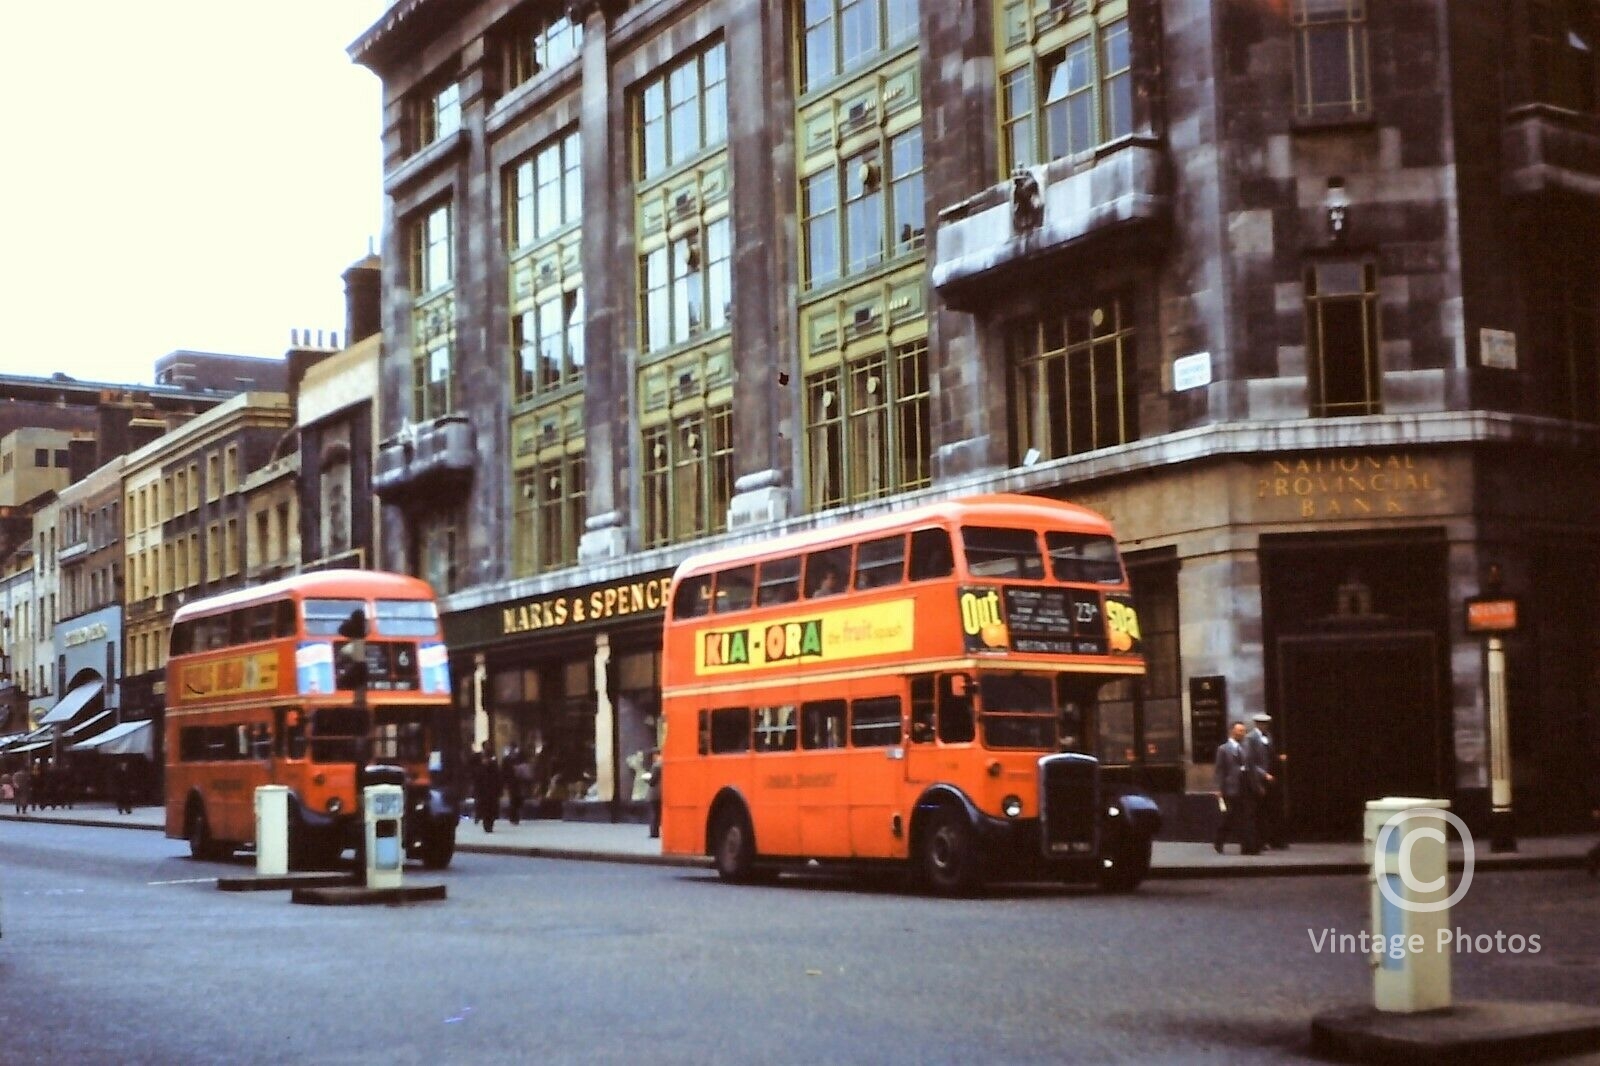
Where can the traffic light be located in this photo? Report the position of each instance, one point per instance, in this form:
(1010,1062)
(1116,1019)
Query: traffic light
(350,664)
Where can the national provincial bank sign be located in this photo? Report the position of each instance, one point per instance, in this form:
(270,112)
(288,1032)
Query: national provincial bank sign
(1348,484)
(640,599)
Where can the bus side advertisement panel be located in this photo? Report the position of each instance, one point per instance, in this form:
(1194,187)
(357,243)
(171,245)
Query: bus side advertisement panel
(819,637)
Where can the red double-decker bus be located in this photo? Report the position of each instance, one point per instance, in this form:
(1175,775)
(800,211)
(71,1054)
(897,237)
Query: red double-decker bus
(254,698)
(915,689)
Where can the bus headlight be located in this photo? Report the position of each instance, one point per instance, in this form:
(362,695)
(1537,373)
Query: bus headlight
(1011,806)
(335,805)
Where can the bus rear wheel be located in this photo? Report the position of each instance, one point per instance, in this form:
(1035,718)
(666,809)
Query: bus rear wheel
(201,844)
(949,862)
(733,844)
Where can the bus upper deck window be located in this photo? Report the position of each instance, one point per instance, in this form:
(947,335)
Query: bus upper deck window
(1085,557)
(407,618)
(880,562)
(692,599)
(735,588)
(826,571)
(780,581)
(931,555)
(997,552)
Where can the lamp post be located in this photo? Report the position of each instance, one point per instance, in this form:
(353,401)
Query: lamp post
(1492,614)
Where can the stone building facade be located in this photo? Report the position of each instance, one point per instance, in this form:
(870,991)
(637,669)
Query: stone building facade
(1303,295)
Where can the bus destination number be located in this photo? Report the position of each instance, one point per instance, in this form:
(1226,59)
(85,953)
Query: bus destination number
(1038,620)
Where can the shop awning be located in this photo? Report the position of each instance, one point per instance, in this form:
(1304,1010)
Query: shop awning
(17,740)
(32,746)
(78,731)
(129,738)
(72,703)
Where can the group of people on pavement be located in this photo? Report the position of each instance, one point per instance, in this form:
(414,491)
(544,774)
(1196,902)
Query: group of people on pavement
(1249,782)
(39,787)
(515,777)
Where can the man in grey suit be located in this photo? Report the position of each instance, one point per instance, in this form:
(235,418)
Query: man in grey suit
(1267,763)
(1236,782)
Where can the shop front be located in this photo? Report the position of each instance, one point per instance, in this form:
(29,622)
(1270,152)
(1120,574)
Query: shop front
(568,682)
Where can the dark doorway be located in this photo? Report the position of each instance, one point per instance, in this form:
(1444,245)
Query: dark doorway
(1358,720)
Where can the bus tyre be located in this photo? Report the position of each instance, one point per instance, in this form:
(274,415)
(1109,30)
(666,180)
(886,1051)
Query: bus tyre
(949,864)
(438,848)
(1129,865)
(734,845)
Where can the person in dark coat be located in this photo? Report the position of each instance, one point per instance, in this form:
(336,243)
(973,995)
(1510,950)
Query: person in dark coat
(1236,783)
(122,786)
(486,787)
(653,768)
(1267,761)
(514,771)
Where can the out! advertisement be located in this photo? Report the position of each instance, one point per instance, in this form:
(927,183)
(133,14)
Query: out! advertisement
(827,636)
(313,668)
(433,662)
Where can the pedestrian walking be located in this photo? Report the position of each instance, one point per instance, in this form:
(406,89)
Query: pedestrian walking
(22,784)
(8,792)
(1236,793)
(486,788)
(122,786)
(517,774)
(1267,761)
(653,768)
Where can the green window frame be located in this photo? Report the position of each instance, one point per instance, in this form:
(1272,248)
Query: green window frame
(435,112)
(841,36)
(1074,386)
(1066,85)
(686,286)
(686,445)
(548,511)
(867,426)
(882,214)
(544,192)
(682,112)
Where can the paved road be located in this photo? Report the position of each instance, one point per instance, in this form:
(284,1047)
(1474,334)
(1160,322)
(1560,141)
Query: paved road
(118,949)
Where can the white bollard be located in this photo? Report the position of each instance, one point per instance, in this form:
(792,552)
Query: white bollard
(384,807)
(272,830)
(1409,878)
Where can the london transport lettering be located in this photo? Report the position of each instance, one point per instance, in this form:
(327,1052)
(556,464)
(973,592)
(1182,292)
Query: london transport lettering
(852,633)
(597,605)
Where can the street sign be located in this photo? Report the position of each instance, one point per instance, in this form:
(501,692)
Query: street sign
(1491,614)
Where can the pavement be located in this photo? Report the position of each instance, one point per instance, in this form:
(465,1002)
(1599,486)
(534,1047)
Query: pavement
(631,842)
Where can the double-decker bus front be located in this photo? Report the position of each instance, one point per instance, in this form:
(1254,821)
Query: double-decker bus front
(936,711)
(257,697)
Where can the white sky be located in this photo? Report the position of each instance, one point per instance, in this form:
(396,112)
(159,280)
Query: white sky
(180,174)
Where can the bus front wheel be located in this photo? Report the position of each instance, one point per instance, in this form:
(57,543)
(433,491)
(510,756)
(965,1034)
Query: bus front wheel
(438,848)
(1129,865)
(734,845)
(949,865)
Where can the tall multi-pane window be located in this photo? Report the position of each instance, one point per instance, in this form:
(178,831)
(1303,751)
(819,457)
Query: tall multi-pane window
(882,214)
(1330,58)
(1342,338)
(433,313)
(437,561)
(686,435)
(1074,387)
(683,112)
(435,112)
(543,41)
(862,208)
(842,34)
(432,261)
(867,426)
(545,191)
(549,501)
(1066,83)
(547,343)
(688,286)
